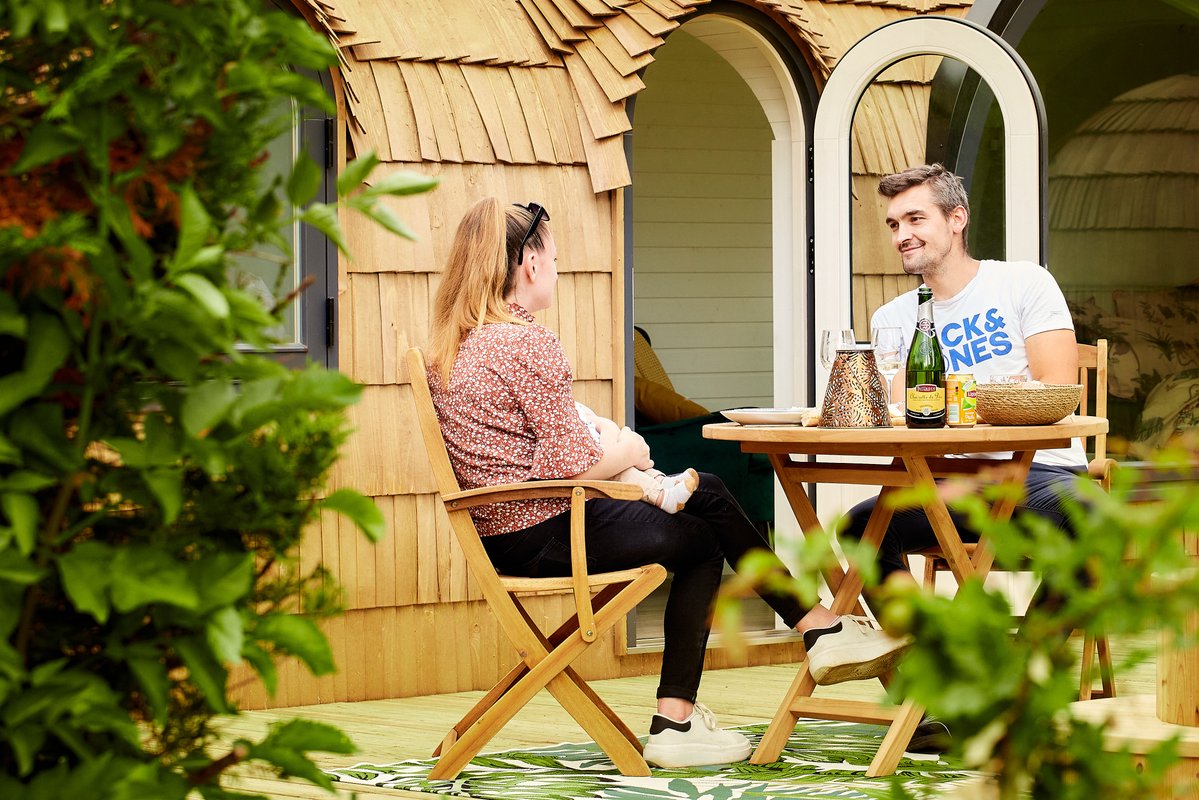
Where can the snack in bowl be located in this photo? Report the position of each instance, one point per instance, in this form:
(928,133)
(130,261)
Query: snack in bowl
(1027,403)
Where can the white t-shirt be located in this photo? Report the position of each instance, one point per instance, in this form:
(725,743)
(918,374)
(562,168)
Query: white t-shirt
(982,329)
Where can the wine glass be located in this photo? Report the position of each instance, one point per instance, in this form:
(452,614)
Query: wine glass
(888,353)
(831,341)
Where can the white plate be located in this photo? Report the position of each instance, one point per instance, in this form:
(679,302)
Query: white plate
(766,416)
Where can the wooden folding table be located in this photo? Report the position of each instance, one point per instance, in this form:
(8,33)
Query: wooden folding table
(918,457)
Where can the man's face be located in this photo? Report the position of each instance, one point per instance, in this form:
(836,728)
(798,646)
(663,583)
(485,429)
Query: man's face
(921,232)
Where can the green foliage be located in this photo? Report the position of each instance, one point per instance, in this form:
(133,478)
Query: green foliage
(155,476)
(1005,687)
(1007,696)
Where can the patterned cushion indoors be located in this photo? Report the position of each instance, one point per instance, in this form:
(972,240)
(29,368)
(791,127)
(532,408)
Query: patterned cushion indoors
(1172,306)
(1152,334)
(1165,326)
(1123,365)
(1172,407)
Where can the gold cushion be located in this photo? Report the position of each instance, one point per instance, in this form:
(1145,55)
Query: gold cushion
(646,364)
(657,403)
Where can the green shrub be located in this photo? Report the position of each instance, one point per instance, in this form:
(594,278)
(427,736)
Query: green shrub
(155,478)
(1003,686)
(1007,696)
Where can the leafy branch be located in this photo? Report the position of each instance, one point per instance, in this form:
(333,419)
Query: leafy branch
(156,478)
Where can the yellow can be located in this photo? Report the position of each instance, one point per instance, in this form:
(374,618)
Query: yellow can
(961,400)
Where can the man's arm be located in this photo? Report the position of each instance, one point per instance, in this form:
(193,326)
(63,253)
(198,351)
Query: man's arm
(1053,356)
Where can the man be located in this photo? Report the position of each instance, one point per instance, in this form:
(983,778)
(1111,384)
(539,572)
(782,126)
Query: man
(992,318)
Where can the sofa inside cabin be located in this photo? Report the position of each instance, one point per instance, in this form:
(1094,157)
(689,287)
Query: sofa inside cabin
(1153,381)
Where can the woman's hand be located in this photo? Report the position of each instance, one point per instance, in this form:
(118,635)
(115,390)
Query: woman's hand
(639,447)
(622,449)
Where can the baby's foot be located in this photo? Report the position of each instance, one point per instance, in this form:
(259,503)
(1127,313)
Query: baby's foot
(675,490)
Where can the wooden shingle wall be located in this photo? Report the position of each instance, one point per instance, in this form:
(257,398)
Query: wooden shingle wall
(524,100)
(1124,193)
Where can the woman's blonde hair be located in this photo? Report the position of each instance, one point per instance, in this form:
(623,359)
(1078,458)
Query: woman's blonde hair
(479,274)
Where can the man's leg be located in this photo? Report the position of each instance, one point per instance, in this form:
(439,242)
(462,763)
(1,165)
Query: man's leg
(908,532)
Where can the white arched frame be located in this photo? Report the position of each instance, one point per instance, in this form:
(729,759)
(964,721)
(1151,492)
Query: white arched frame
(1023,120)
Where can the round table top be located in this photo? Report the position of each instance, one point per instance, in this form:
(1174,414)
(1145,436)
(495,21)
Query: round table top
(899,439)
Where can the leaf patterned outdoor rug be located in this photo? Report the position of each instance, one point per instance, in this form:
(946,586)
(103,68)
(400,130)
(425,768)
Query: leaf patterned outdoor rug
(823,759)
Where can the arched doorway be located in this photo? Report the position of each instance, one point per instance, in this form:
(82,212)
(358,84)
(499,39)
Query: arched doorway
(718,220)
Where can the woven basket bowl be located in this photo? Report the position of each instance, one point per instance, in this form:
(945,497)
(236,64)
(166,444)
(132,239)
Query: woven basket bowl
(1026,403)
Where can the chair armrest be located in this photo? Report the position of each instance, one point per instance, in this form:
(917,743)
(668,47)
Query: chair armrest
(1101,470)
(578,491)
(536,490)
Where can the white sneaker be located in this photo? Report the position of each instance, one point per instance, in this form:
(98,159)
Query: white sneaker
(695,742)
(851,650)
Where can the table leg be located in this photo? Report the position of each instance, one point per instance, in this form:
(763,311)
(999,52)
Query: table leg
(846,598)
(1002,510)
(785,717)
(942,524)
(847,594)
(805,514)
(896,740)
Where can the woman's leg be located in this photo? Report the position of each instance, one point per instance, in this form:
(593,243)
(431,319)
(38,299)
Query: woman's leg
(737,535)
(693,544)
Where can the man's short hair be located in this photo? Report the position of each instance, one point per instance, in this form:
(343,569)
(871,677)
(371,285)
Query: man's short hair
(947,189)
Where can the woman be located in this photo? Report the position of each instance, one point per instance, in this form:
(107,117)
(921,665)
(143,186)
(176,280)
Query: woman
(502,387)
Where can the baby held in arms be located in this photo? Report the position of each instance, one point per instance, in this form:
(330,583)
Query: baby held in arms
(668,492)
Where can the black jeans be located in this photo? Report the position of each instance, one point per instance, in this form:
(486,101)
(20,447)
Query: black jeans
(693,544)
(910,530)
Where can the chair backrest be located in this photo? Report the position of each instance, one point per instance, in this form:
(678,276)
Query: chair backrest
(430,427)
(461,522)
(1092,359)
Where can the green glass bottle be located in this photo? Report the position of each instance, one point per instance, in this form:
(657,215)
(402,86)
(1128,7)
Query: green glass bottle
(926,370)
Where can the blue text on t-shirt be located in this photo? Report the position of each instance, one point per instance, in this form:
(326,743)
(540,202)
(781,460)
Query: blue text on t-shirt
(975,339)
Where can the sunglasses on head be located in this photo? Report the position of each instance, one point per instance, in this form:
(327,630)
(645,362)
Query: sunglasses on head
(539,213)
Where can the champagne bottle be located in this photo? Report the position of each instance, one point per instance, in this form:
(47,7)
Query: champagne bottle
(926,370)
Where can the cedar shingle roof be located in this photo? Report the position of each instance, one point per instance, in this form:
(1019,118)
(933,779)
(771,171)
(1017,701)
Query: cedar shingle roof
(545,81)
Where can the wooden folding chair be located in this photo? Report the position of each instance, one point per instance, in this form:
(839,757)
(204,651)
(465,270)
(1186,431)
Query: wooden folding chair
(545,660)
(1092,372)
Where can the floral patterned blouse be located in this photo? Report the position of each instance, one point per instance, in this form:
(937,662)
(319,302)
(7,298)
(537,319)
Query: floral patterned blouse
(508,415)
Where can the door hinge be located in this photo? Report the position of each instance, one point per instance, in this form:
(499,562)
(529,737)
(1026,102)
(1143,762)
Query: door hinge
(330,322)
(330,143)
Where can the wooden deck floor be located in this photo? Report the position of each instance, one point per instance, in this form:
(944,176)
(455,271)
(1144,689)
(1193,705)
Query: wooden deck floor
(395,730)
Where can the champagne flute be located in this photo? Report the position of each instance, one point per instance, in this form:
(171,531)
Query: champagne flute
(888,352)
(830,342)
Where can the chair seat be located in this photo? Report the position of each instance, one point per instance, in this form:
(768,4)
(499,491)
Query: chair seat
(513,583)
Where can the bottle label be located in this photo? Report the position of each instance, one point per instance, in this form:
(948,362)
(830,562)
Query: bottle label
(925,326)
(926,400)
